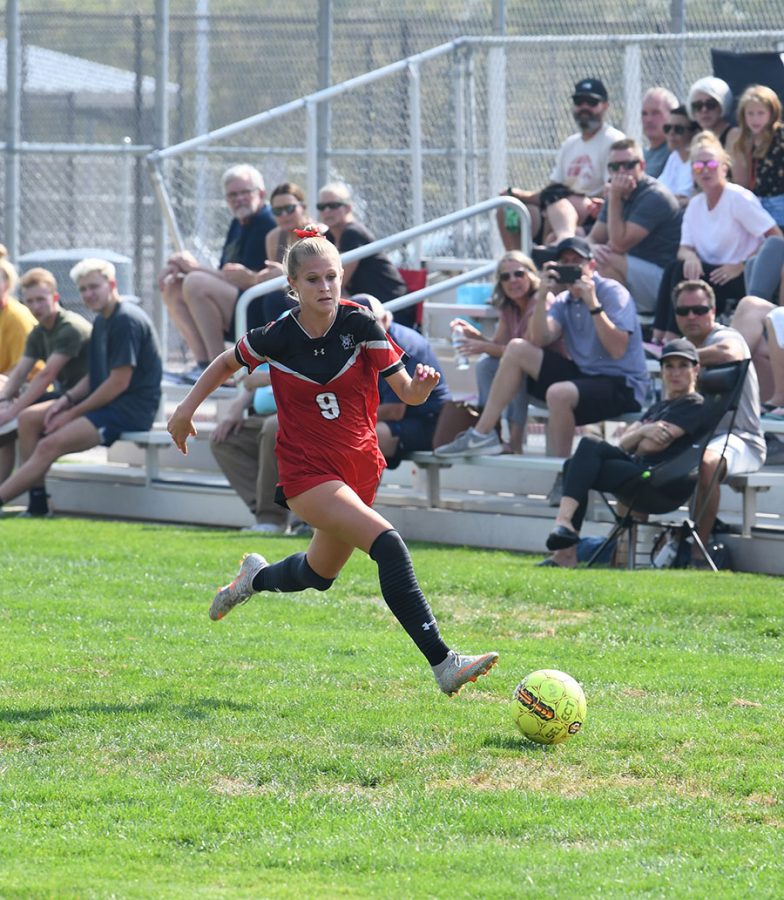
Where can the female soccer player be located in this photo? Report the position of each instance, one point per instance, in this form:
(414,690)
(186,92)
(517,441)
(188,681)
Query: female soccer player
(324,358)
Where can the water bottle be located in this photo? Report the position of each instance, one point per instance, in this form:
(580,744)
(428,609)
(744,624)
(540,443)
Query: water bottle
(667,555)
(458,336)
(511,216)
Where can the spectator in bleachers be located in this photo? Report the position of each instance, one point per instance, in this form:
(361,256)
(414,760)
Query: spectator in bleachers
(58,343)
(374,275)
(723,226)
(639,227)
(606,375)
(752,318)
(742,450)
(773,410)
(243,445)
(657,102)
(514,294)
(572,200)
(400,428)
(758,152)
(287,202)
(710,105)
(121,391)
(664,430)
(16,323)
(677,174)
(201,300)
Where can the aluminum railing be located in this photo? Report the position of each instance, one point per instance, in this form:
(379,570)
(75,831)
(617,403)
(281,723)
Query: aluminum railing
(395,240)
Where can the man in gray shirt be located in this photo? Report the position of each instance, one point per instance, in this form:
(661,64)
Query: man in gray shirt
(743,449)
(639,228)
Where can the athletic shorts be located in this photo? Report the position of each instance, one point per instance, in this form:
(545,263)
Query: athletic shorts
(739,456)
(643,279)
(111,422)
(600,396)
(412,434)
(366,492)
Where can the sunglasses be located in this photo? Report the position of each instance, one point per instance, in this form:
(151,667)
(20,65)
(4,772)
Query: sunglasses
(699,105)
(508,276)
(627,164)
(692,310)
(677,129)
(584,100)
(698,165)
(285,210)
(333,204)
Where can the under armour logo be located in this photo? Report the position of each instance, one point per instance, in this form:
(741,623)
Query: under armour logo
(316,352)
(428,625)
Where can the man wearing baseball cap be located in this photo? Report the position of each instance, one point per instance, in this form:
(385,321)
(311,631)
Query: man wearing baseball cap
(573,196)
(605,376)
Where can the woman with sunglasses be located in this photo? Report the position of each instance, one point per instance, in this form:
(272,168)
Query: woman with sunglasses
(709,104)
(676,174)
(514,294)
(374,275)
(724,225)
(288,206)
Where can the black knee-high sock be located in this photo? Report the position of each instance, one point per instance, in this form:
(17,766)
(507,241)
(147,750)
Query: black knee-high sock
(404,596)
(290,574)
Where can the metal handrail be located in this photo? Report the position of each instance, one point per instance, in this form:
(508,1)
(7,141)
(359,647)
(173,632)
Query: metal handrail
(402,237)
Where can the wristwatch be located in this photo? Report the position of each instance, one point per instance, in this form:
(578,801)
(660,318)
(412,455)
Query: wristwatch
(596,310)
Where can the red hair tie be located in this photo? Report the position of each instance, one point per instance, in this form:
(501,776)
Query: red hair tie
(310,232)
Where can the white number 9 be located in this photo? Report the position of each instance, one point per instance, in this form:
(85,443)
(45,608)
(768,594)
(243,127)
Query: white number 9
(328,404)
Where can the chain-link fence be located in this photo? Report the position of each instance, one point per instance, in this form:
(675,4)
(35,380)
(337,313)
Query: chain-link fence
(88,112)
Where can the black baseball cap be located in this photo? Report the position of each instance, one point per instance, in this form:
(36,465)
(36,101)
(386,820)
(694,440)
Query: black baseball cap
(590,87)
(681,347)
(578,244)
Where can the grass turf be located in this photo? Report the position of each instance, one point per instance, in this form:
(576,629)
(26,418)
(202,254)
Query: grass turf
(301,748)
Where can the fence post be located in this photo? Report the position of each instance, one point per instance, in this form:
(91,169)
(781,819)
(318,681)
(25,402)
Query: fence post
(632,92)
(458,102)
(160,320)
(415,141)
(311,156)
(13,117)
(324,81)
(497,171)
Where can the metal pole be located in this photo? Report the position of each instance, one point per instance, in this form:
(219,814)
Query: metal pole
(678,26)
(461,197)
(323,126)
(415,140)
(632,92)
(311,156)
(202,116)
(161,140)
(13,121)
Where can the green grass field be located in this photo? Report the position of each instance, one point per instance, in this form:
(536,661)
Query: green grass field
(300,748)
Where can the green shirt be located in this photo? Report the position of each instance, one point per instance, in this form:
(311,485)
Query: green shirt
(70,336)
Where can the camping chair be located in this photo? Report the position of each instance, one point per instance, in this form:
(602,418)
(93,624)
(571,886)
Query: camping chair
(665,487)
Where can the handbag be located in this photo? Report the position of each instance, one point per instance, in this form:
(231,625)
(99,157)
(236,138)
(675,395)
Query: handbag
(455,416)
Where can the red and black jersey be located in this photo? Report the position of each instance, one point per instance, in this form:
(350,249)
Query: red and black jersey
(327,395)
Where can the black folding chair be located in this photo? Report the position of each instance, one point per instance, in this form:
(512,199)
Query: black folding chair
(665,487)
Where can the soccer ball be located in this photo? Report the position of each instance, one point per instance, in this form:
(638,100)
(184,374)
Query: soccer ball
(548,706)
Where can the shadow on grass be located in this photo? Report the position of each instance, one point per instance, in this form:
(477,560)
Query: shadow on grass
(199,709)
(514,743)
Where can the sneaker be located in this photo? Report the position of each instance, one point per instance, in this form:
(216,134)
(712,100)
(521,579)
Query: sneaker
(471,443)
(456,670)
(298,528)
(240,590)
(192,375)
(556,491)
(265,528)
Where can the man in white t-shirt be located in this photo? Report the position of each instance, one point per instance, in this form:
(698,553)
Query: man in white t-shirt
(573,196)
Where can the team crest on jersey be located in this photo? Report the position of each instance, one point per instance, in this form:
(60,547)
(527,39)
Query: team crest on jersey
(347,341)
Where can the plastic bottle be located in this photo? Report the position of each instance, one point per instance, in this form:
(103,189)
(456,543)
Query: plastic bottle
(511,217)
(666,556)
(458,336)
